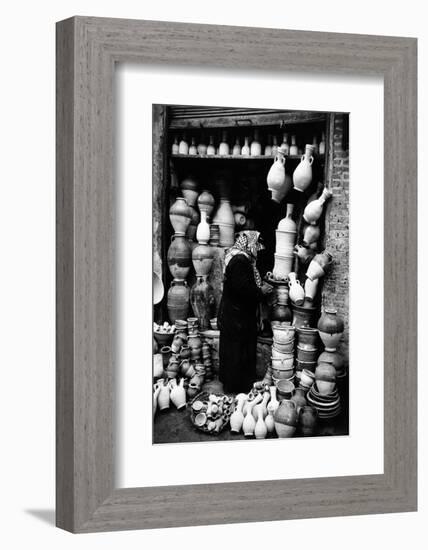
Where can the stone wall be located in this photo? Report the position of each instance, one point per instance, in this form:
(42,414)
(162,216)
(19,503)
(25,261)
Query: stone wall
(336,284)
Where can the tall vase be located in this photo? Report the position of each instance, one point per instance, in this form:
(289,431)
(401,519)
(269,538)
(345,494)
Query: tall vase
(321,148)
(285,146)
(245,151)
(293,147)
(237,417)
(203,230)
(223,148)
(236,151)
(180,216)
(225,220)
(260,429)
(178,394)
(302,175)
(313,210)
(192,149)
(249,423)
(179,257)
(256,148)
(183,146)
(211,148)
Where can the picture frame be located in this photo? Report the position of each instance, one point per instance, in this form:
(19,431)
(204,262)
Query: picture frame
(87,50)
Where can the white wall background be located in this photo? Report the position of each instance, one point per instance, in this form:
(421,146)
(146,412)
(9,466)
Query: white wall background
(27,272)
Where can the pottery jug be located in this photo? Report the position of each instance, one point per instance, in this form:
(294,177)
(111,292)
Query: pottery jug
(302,175)
(189,190)
(304,254)
(163,397)
(237,417)
(308,417)
(321,148)
(293,147)
(287,223)
(192,149)
(260,429)
(284,145)
(180,216)
(206,203)
(311,289)
(297,294)
(276,176)
(245,151)
(223,148)
(249,423)
(256,148)
(211,148)
(175,148)
(313,210)
(183,146)
(202,259)
(225,220)
(285,418)
(330,327)
(178,394)
(319,265)
(202,300)
(236,151)
(179,257)
(311,235)
(178,300)
(203,230)
(274,403)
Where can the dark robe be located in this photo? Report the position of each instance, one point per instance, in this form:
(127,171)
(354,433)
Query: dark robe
(237,320)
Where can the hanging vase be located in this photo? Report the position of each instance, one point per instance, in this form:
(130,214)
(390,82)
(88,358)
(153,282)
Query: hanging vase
(313,210)
(297,294)
(302,175)
(311,235)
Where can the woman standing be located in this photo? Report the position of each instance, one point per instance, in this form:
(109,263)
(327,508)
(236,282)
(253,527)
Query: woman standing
(237,318)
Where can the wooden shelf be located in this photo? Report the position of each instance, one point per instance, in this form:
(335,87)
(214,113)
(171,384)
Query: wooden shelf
(240,157)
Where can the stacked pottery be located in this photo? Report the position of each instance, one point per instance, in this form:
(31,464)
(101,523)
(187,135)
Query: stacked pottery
(214,235)
(280,312)
(325,378)
(206,203)
(303,316)
(180,216)
(285,242)
(327,406)
(194,222)
(282,360)
(307,349)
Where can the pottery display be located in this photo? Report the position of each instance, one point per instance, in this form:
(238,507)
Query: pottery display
(285,418)
(206,203)
(178,394)
(302,175)
(180,216)
(319,265)
(211,148)
(313,210)
(226,222)
(330,327)
(202,259)
(308,418)
(256,148)
(178,300)
(179,257)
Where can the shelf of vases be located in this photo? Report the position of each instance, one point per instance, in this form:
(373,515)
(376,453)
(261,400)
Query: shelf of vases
(319,158)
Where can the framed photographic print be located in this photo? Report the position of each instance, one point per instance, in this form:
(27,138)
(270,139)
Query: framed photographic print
(236,274)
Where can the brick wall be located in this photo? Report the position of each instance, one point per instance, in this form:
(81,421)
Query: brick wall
(336,285)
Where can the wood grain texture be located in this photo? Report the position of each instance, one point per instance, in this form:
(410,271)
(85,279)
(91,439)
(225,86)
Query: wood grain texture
(87,49)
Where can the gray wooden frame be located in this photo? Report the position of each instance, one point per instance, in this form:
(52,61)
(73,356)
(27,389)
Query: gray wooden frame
(87,50)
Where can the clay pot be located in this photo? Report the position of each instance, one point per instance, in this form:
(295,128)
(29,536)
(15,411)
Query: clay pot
(226,222)
(308,365)
(180,216)
(333,357)
(256,148)
(283,266)
(330,327)
(308,418)
(311,289)
(177,342)
(178,300)
(163,397)
(283,334)
(281,313)
(287,224)
(206,203)
(223,148)
(236,151)
(245,151)
(313,210)
(306,355)
(178,394)
(307,378)
(303,316)
(297,294)
(179,257)
(311,235)
(203,230)
(189,189)
(278,354)
(276,175)
(279,374)
(157,365)
(285,363)
(302,175)
(203,301)
(166,354)
(319,265)
(286,419)
(284,389)
(308,338)
(202,259)
(325,378)
(299,399)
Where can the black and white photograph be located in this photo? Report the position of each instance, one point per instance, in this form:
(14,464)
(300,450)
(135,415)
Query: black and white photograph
(250,276)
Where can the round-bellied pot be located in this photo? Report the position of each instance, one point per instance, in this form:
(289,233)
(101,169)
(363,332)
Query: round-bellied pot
(333,357)
(206,202)
(180,216)
(325,378)
(302,175)
(307,355)
(308,338)
(319,265)
(308,418)
(330,327)
(202,259)
(189,188)
(179,257)
(178,300)
(285,418)
(303,316)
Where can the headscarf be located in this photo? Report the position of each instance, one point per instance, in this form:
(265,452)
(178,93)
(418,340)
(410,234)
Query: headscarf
(248,244)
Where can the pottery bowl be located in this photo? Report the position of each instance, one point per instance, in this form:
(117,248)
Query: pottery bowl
(283,348)
(164,338)
(283,364)
(276,354)
(285,388)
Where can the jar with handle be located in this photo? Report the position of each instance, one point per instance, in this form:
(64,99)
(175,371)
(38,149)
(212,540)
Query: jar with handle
(313,210)
(276,174)
(296,293)
(178,394)
(302,175)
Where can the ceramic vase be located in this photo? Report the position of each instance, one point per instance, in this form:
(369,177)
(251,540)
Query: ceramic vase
(297,294)
(304,254)
(192,149)
(180,216)
(274,146)
(203,230)
(202,259)
(334,358)
(260,429)
(175,148)
(236,151)
(321,148)
(285,419)
(189,190)
(211,148)
(303,316)
(163,397)
(302,175)
(179,257)
(237,417)
(325,378)
(330,327)
(269,421)
(178,300)
(249,423)
(311,235)
(293,147)
(223,148)
(313,210)
(287,224)
(319,265)
(178,394)
(311,289)
(225,220)
(183,146)
(277,182)
(245,151)
(284,145)
(274,403)
(256,148)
